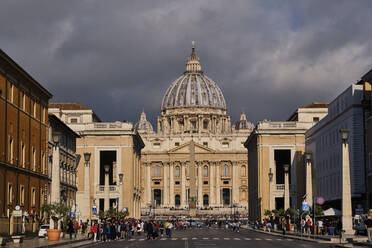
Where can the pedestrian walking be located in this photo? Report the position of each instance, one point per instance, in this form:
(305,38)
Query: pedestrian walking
(368,225)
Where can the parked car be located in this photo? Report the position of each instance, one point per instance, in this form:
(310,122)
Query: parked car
(43,230)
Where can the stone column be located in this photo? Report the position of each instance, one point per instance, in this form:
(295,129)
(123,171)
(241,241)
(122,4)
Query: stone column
(286,191)
(200,185)
(309,190)
(148,183)
(165,184)
(183,185)
(171,186)
(55,194)
(347,221)
(218,180)
(212,199)
(235,187)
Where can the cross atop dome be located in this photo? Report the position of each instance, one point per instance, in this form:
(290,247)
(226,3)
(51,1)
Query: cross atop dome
(193,62)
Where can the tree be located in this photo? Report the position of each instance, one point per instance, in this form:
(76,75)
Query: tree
(56,211)
(267,213)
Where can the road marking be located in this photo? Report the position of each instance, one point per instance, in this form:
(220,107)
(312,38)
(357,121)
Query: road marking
(194,238)
(216,238)
(289,239)
(226,238)
(174,238)
(184,238)
(236,238)
(132,240)
(247,238)
(163,239)
(268,239)
(141,239)
(205,238)
(258,239)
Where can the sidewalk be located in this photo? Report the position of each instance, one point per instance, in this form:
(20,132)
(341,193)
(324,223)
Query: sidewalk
(43,242)
(350,241)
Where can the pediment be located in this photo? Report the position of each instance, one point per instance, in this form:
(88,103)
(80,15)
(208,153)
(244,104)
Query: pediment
(185,148)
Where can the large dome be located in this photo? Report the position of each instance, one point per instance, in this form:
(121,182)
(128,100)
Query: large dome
(193,89)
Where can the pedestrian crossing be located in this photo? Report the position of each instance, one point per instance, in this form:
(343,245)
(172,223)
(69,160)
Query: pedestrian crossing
(213,238)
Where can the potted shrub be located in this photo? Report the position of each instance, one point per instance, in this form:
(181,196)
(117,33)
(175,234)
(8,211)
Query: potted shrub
(56,212)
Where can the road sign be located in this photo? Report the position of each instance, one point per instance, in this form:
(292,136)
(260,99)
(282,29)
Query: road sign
(320,200)
(305,206)
(17,213)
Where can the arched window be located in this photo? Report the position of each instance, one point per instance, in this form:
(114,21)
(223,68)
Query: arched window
(205,171)
(205,200)
(226,170)
(243,171)
(157,171)
(177,171)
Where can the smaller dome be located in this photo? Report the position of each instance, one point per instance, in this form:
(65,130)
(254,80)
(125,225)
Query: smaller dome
(143,125)
(243,123)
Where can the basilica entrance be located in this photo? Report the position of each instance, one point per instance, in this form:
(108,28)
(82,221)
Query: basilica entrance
(157,197)
(226,196)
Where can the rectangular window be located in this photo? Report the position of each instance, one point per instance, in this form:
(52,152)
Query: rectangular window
(11,142)
(157,183)
(177,182)
(205,182)
(33,158)
(225,182)
(22,195)
(11,93)
(73,120)
(22,162)
(23,101)
(225,144)
(156,145)
(315,119)
(177,144)
(33,197)
(10,193)
(205,143)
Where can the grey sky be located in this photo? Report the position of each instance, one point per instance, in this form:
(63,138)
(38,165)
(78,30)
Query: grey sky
(118,57)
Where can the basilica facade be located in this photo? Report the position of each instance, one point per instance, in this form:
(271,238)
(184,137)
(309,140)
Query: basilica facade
(194,120)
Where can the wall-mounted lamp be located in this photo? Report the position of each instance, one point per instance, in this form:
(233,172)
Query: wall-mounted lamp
(107,168)
(344,135)
(121,178)
(307,157)
(286,168)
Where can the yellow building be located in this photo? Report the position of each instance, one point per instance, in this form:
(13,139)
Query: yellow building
(111,176)
(271,146)
(194,114)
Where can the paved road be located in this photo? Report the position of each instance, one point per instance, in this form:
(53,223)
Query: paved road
(204,238)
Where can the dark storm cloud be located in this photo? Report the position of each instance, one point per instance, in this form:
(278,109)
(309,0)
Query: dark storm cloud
(118,57)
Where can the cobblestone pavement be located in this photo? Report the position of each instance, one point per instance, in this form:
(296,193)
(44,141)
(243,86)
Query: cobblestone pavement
(197,238)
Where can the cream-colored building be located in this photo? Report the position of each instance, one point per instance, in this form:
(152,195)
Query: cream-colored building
(271,145)
(114,144)
(194,114)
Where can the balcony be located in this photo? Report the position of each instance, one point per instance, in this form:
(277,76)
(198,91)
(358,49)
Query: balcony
(112,188)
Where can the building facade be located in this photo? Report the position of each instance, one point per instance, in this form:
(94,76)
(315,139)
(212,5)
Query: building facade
(23,146)
(194,120)
(62,163)
(271,146)
(112,145)
(324,142)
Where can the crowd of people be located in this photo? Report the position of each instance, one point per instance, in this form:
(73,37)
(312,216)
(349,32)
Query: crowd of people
(304,226)
(107,230)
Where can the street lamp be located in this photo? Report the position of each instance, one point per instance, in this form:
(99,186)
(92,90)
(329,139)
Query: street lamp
(344,135)
(271,175)
(107,189)
(286,186)
(87,157)
(347,222)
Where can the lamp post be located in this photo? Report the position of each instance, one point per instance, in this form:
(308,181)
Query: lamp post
(107,188)
(271,176)
(309,191)
(347,225)
(121,205)
(87,181)
(286,186)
